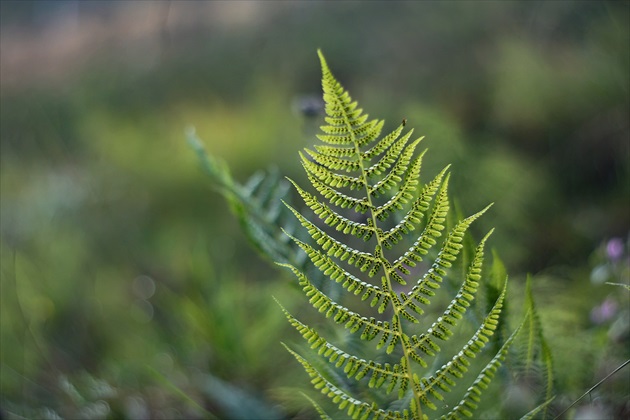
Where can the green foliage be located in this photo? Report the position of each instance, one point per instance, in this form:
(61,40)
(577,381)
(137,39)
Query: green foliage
(256,204)
(98,188)
(534,367)
(258,207)
(360,226)
(377,176)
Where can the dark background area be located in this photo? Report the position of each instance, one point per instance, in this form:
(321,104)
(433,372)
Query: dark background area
(128,288)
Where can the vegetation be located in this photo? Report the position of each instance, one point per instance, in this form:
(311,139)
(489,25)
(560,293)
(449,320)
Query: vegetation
(128,290)
(388,207)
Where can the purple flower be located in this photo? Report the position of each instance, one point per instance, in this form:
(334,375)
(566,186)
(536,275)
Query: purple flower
(604,312)
(614,249)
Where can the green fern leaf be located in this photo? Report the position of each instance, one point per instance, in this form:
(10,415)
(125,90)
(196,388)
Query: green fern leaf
(319,410)
(471,399)
(333,219)
(352,366)
(355,408)
(538,409)
(455,369)
(538,358)
(352,321)
(349,282)
(355,158)
(367,185)
(256,204)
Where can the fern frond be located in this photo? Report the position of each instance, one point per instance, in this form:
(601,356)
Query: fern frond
(353,366)
(544,406)
(255,204)
(352,321)
(424,243)
(338,249)
(454,312)
(471,399)
(383,144)
(432,279)
(349,282)
(339,199)
(334,163)
(333,219)
(368,186)
(402,197)
(329,177)
(393,177)
(538,353)
(455,369)
(320,411)
(356,409)
(335,151)
(390,156)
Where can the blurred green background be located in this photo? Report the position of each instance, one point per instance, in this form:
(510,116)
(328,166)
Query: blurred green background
(128,289)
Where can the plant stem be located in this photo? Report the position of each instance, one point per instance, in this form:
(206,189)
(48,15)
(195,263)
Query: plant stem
(396,319)
(593,388)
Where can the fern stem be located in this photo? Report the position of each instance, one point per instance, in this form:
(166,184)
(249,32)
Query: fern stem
(396,319)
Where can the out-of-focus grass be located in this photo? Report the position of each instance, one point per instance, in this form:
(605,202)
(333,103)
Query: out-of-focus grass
(120,259)
(182,316)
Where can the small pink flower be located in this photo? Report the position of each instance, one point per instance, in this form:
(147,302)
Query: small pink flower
(604,312)
(614,249)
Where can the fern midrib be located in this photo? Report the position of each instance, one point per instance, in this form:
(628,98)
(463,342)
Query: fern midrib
(397,315)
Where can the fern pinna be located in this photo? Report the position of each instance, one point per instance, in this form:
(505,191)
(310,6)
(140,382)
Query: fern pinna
(376,179)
